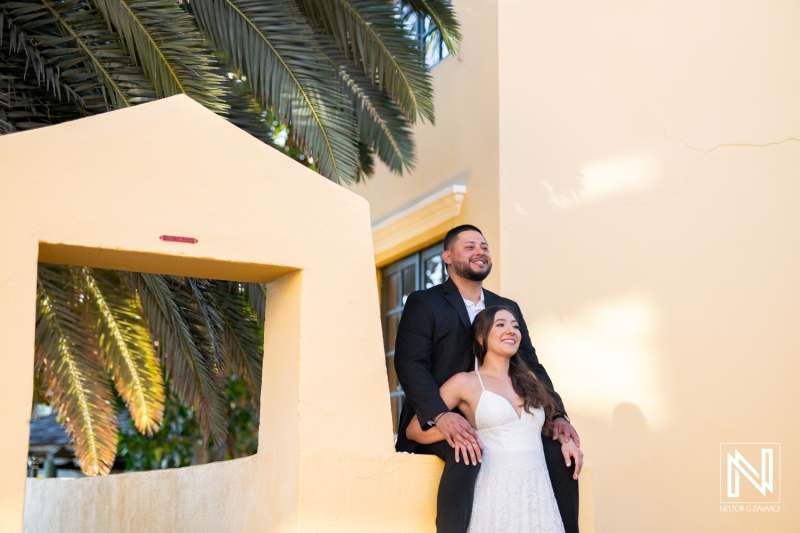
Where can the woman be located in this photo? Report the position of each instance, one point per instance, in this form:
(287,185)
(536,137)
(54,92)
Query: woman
(510,408)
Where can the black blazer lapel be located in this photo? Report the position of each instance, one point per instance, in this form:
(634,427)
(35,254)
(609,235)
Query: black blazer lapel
(490,299)
(455,299)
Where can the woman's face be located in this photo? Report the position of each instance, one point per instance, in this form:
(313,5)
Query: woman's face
(504,336)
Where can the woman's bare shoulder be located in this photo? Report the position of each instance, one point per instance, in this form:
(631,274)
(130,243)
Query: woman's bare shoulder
(465,379)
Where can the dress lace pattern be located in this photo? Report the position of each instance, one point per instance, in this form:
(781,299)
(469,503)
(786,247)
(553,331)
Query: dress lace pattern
(513,491)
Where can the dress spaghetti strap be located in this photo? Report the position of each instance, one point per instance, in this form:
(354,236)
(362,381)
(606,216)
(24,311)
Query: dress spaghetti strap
(479,374)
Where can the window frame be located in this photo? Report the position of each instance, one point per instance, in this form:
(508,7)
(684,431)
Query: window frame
(417,260)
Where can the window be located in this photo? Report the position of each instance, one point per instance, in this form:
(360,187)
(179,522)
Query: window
(428,34)
(421,270)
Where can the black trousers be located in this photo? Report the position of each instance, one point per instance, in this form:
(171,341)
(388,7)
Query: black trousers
(457,487)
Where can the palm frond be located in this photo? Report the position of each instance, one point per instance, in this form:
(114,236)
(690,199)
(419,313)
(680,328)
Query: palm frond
(89,57)
(206,317)
(242,334)
(382,128)
(125,341)
(68,360)
(245,111)
(25,105)
(366,162)
(374,37)
(194,376)
(443,16)
(268,42)
(163,39)
(20,43)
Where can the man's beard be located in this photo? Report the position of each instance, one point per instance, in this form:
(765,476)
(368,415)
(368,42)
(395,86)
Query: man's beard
(463,270)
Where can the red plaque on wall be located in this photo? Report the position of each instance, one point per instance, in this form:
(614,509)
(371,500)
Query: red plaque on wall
(175,238)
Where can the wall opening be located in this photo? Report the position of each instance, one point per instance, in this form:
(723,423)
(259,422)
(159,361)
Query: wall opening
(139,370)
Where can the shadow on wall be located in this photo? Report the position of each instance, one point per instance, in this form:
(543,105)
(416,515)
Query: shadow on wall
(626,452)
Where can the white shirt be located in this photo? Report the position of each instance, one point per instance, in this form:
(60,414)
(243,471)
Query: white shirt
(474,308)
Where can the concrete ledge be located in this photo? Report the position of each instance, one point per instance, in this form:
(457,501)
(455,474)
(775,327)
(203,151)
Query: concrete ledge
(208,498)
(222,497)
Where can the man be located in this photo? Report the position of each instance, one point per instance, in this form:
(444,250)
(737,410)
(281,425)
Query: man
(432,345)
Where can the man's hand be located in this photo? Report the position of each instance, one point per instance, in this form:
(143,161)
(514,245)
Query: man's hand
(461,436)
(562,427)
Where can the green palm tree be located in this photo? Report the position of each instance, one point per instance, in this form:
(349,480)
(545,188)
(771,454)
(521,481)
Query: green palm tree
(345,75)
(101,333)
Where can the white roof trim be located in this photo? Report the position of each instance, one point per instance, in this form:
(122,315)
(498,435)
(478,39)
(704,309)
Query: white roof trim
(413,225)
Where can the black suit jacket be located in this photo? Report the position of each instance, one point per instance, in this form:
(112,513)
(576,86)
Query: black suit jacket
(433,344)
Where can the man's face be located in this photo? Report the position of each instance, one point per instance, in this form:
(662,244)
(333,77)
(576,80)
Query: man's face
(469,257)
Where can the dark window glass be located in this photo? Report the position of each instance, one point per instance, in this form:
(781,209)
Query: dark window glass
(392,285)
(409,281)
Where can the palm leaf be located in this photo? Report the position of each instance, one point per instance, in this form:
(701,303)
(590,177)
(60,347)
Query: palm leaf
(68,360)
(443,15)
(125,341)
(20,43)
(370,33)
(207,318)
(90,57)
(382,128)
(26,105)
(245,111)
(242,334)
(93,68)
(366,162)
(163,39)
(268,42)
(192,372)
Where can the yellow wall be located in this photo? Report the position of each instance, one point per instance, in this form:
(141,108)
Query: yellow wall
(637,180)
(649,157)
(209,498)
(100,191)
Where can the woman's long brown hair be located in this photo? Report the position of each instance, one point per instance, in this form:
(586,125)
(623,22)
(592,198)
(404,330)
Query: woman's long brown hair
(533,392)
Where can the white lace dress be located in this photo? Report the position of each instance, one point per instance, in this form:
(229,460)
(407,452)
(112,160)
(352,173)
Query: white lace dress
(513,491)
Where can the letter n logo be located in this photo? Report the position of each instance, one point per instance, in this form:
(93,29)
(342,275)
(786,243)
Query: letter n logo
(748,472)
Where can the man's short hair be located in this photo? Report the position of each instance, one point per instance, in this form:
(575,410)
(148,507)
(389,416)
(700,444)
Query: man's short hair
(452,235)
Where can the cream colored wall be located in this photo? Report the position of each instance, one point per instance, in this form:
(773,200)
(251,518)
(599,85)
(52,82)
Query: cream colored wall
(649,157)
(100,191)
(208,498)
(462,147)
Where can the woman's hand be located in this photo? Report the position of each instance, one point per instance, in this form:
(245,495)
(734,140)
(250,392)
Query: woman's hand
(571,451)
(466,451)
(460,435)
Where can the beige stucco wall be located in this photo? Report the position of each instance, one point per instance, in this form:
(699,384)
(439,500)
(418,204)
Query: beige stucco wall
(647,169)
(99,192)
(206,498)
(466,103)
(649,157)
